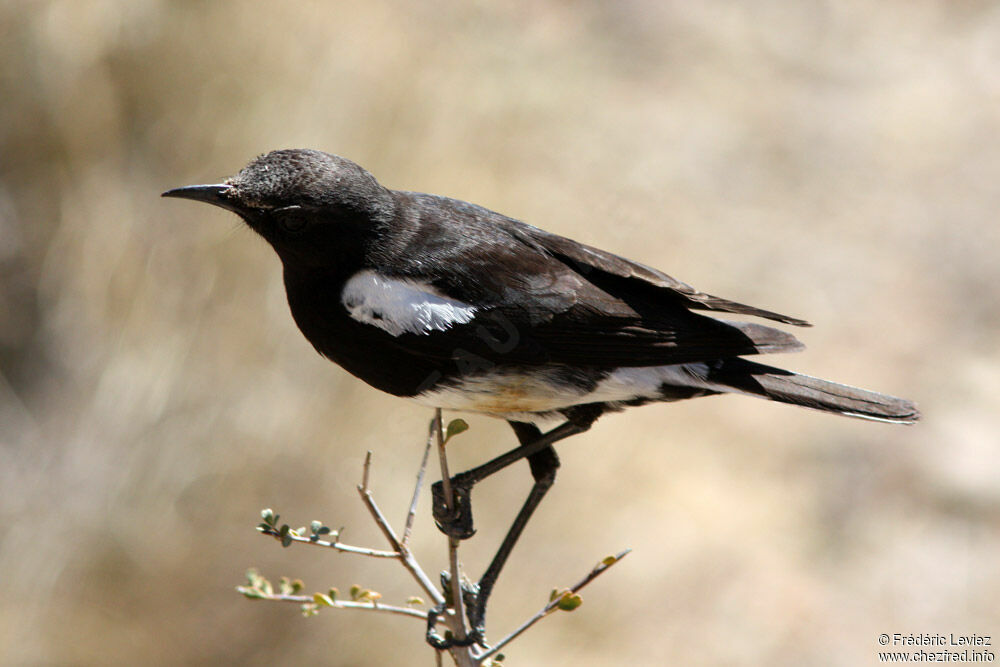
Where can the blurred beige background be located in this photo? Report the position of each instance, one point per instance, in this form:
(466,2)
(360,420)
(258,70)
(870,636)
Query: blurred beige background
(835,161)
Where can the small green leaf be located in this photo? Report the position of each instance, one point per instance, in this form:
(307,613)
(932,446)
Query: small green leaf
(610,560)
(250,593)
(322,600)
(268,516)
(285,586)
(297,586)
(569,601)
(333,593)
(364,594)
(315,526)
(454,427)
(414,600)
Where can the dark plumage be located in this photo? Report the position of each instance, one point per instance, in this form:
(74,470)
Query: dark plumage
(460,307)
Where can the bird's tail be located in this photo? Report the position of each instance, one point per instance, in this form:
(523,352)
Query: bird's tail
(747,377)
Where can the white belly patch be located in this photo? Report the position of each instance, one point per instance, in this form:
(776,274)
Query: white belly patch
(504,392)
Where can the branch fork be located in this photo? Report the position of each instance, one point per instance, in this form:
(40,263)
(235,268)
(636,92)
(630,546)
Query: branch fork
(450,602)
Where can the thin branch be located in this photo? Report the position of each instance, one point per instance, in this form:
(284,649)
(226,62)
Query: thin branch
(337,546)
(412,513)
(338,604)
(409,562)
(366,470)
(459,628)
(456,624)
(449,496)
(454,615)
(598,570)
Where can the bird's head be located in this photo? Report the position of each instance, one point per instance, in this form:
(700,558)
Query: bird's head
(309,205)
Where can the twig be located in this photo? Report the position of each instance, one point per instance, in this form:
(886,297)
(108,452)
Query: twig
(366,469)
(337,546)
(412,513)
(459,629)
(465,651)
(598,570)
(340,604)
(409,562)
(449,497)
(462,655)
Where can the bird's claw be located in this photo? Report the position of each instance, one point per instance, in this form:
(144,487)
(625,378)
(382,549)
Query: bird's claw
(454,521)
(476,636)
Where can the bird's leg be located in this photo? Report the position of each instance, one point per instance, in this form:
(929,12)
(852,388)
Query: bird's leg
(537,448)
(457,521)
(544,464)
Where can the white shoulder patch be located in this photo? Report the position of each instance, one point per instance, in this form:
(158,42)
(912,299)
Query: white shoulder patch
(401,305)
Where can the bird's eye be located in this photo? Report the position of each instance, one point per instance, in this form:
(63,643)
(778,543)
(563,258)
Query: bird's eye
(292,218)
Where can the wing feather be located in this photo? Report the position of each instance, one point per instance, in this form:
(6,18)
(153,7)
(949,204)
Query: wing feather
(541,298)
(586,260)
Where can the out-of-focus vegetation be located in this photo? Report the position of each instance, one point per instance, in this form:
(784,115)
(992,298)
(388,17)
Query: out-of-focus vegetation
(836,161)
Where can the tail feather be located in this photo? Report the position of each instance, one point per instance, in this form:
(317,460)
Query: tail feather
(767,339)
(744,376)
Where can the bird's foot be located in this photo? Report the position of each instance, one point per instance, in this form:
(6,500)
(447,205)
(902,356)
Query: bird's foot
(454,520)
(440,643)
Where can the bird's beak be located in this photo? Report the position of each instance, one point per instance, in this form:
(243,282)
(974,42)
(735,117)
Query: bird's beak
(219,194)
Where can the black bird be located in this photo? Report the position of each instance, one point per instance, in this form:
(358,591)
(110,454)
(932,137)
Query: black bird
(458,307)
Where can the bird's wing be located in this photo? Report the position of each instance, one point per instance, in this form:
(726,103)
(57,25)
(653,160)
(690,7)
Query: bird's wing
(589,260)
(473,282)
